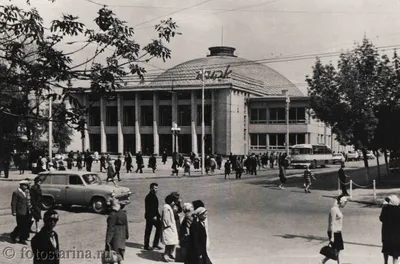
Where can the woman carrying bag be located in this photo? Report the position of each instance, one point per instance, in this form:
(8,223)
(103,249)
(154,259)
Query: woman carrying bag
(335,230)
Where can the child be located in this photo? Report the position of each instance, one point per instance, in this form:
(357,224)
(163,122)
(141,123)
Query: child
(186,167)
(307,179)
(227,169)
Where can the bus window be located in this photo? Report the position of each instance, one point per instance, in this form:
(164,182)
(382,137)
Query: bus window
(301,151)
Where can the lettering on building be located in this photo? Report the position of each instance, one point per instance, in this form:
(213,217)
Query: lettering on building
(213,75)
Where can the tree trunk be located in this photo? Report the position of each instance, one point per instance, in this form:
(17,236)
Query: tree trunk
(364,152)
(386,162)
(377,162)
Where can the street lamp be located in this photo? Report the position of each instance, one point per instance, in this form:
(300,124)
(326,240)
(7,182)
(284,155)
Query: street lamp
(285,92)
(175,131)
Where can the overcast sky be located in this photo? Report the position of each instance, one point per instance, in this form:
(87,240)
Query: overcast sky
(258,29)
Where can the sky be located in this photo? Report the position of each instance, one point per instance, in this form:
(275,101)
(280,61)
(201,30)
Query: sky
(258,29)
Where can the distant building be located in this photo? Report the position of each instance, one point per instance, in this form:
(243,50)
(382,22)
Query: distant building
(244,111)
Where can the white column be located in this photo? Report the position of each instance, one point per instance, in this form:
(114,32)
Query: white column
(212,121)
(193,109)
(120,131)
(137,123)
(86,141)
(155,124)
(175,120)
(103,139)
(325,134)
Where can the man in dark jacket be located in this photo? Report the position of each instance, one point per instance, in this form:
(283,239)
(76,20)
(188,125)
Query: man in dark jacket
(45,245)
(343,180)
(20,209)
(152,217)
(139,162)
(118,164)
(117,230)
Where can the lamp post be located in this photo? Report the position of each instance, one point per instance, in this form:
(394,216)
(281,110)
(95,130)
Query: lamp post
(175,131)
(285,92)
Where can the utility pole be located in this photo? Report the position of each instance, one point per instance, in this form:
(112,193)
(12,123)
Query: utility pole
(50,129)
(202,125)
(287,120)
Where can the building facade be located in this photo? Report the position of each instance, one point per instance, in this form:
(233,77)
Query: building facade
(244,111)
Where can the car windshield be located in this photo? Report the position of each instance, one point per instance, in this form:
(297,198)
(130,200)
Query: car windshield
(337,155)
(299,151)
(91,179)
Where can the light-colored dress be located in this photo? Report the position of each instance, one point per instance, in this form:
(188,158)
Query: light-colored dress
(169,233)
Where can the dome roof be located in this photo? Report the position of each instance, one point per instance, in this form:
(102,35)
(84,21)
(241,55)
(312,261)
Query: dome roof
(223,67)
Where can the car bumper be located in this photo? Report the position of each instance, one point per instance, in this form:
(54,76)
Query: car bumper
(123,200)
(300,164)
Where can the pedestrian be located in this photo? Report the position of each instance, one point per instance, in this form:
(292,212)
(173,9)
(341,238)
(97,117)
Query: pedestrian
(335,225)
(177,208)
(61,166)
(184,233)
(89,162)
(196,162)
(390,218)
(174,168)
(111,172)
(117,230)
(227,166)
(198,204)
(282,176)
(343,180)
(23,163)
(169,232)
(128,162)
(197,246)
(307,179)
(51,166)
(164,157)
(139,162)
(102,163)
(118,164)
(186,166)
(96,156)
(79,161)
(36,201)
(152,217)
(20,209)
(45,245)
(6,166)
(152,163)
(238,168)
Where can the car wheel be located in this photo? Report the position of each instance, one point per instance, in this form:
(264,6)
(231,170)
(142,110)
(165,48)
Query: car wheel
(47,202)
(99,205)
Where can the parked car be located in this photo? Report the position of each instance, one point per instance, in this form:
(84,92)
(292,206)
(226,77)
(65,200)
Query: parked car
(338,158)
(370,155)
(353,155)
(80,188)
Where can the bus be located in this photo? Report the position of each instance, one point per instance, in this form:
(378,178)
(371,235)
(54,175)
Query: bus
(303,155)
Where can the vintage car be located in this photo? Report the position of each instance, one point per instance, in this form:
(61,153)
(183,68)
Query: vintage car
(69,188)
(338,158)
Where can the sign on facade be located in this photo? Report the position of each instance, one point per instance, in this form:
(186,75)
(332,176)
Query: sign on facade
(213,75)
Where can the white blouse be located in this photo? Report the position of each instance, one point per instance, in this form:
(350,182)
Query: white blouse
(335,220)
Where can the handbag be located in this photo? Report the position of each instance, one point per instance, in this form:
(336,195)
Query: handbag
(109,256)
(329,252)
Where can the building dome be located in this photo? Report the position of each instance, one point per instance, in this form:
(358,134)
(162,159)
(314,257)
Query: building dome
(222,66)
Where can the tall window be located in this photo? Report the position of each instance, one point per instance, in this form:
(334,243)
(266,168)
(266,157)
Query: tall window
(277,115)
(146,115)
(184,115)
(207,94)
(112,143)
(277,141)
(165,116)
(94,116)
(207,115)
(146,96)
(258,116)
(184,95)
(295,139)
(129,115)
(258,141)
(297,115)
(111,116)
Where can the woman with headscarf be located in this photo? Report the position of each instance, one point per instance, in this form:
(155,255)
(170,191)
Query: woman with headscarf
(169,232)
(184,232)
(197,246)
(335,226)
(390,218)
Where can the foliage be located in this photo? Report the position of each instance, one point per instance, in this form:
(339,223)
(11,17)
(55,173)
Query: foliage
(34,68)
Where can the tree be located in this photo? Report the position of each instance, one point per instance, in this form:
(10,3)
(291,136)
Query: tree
(345,98)
(34,68)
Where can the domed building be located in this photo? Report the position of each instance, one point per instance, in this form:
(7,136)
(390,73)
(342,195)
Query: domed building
(245,106)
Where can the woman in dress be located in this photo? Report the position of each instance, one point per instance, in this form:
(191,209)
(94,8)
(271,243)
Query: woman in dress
(184,232)
(169,232)
(390,218)
(335,226)
(36,202)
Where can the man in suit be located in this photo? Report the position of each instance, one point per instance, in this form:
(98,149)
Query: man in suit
(153,218)
(20,209)
(45,245)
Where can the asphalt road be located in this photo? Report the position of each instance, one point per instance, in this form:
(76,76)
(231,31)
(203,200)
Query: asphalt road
(250,221)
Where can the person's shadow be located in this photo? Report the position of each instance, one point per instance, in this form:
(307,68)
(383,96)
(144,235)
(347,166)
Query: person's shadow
(5,237)
(153,255)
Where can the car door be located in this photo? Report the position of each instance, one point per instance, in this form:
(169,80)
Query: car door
(75,190)
(54,185)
